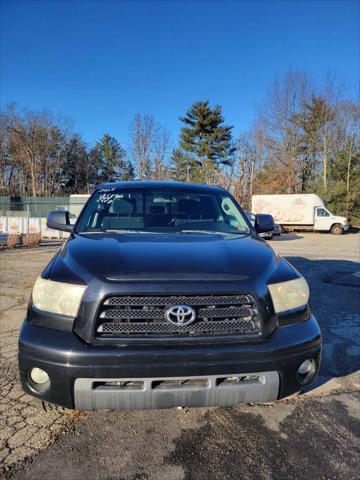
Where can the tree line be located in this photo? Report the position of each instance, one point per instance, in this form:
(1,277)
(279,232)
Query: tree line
(304,139)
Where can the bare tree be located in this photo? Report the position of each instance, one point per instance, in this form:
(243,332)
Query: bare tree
(161,153)
(7,168)
(285,98)
(331,93)
(36,146)
(245,159)
(348,139)
(142,135)
(149,147)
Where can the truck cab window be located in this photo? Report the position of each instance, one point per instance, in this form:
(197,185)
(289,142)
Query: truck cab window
(321,212)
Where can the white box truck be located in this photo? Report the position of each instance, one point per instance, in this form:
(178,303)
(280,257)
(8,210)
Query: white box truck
(300,212)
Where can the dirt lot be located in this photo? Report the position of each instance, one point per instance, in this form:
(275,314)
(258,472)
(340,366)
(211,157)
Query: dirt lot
(315,435)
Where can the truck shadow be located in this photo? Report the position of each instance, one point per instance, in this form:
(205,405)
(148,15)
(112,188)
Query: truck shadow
(286,237)
(335,302)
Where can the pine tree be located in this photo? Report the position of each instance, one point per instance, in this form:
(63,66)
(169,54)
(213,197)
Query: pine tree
(79,167)
(183,167)
(206,138)
(128,171)
(111,160)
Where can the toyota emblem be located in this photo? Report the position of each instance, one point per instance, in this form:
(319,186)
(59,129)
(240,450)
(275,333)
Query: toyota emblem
(180,315)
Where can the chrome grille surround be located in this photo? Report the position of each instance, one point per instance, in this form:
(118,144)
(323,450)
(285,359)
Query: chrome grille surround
(144,316)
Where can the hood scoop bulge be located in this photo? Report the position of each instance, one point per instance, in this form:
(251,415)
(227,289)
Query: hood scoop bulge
(173,277)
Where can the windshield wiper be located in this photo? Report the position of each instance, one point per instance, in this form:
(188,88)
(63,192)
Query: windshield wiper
(112,230)
(209,232)
(212,232)
(86,232)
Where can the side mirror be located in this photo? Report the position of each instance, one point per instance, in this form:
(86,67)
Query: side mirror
(59,220)
(264,223)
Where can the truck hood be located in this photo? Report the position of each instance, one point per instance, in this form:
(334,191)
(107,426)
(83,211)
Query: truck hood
(339,219)
(162,264)
(163,257)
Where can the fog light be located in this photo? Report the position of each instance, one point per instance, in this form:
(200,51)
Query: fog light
(39,376)
(306,371)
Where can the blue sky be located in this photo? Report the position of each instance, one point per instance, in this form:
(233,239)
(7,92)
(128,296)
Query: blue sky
(101,62)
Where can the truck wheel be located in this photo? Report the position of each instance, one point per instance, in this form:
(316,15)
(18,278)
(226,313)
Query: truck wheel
(336,229)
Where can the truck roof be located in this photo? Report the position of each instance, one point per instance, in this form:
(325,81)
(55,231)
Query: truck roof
(157,184)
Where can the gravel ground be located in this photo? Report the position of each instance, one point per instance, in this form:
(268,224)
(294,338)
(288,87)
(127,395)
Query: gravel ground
(25,429)
(314,435)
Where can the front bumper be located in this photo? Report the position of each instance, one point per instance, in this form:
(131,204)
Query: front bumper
(194,375)
(167,392)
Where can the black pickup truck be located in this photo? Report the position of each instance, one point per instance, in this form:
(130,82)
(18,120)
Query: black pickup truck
(164,295)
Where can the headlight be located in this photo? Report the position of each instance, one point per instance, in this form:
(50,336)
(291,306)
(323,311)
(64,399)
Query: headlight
(289,295)
(57,297)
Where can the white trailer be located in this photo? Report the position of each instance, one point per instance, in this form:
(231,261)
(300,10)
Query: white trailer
(300,212)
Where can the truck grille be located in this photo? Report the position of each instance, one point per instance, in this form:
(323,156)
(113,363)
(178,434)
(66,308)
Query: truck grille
(135,316)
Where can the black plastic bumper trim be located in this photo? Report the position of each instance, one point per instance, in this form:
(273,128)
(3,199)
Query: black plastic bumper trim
(65,357)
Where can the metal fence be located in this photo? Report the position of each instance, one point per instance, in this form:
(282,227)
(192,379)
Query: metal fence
(32,206)
(25,215)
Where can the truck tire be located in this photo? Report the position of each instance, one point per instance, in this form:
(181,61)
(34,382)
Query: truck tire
(337,229)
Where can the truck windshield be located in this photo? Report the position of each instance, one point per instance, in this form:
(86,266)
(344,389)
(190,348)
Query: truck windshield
(161,211)
(321,212)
